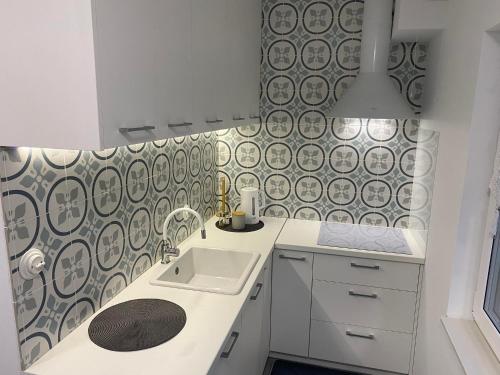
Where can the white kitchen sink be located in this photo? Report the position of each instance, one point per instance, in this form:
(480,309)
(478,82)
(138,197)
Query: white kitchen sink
(208,270)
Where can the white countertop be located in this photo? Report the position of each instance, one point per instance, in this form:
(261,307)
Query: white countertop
(209,319)
(301,235)
(210,316)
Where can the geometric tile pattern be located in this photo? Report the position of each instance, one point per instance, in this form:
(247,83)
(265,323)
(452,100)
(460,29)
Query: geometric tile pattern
(311,53)
(309,165)
(97,216)
(350,171)
(423,178)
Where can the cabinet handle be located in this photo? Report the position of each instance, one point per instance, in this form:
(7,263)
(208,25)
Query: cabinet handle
(217,121)
(236,118)
(234,337)
(371,336)
(356,294)
(256,295)
(145,128)
(254,117)
(301,259)
(356,265)
(179,124)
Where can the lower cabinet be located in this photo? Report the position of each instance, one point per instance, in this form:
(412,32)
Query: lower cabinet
(291,307)
(233,354)
(247,347)
(351,311)
(265,319)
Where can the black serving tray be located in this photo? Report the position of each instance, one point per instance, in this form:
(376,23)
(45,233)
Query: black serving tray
(248,227)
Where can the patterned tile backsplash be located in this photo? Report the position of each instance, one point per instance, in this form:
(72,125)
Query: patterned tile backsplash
(311,54)
(97,216)
(350,171)
(309,165)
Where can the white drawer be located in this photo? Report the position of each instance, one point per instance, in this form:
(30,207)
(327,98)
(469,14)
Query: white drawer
(384,350)
(365,306)
(371,272)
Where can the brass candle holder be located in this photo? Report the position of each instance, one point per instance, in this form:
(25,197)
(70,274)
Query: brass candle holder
(223,214)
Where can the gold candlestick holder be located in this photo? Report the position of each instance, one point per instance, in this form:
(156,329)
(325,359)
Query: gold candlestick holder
(223,214)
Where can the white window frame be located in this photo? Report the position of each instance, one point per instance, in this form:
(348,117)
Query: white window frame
(482,320)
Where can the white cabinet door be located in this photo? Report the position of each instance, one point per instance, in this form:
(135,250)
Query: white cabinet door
(48,89)
(291,302)
(143,63)
(245,56)
(232,353)
(265,331)
(226,61)
(246,349)
(256,325)
(211,44)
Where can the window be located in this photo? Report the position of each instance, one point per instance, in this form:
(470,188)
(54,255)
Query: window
(487,298)
(492,296)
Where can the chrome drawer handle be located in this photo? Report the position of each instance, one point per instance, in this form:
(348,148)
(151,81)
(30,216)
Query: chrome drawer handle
(256,295)
(179,124)
(301,259)
(371,336)
(217,121)
(145,128)
(356,294)
(236,118)
(234,337)
(356,265)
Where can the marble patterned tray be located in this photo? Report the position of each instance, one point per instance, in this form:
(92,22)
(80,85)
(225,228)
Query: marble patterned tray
(363,237)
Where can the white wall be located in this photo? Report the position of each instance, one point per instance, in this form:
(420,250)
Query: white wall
(10,363)
(465,152)
(483,136)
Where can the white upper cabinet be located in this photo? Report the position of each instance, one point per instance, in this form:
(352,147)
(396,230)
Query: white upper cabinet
(143,67)
(48,83)
(212,62)
(82,74)
(226,62)
(245,60)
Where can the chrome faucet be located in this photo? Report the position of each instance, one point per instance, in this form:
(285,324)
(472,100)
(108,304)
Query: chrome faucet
(167,252)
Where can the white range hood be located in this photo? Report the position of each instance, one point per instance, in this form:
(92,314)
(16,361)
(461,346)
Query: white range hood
(373,94)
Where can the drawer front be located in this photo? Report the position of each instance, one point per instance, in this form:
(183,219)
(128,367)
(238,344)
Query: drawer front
(365,306)
(377,273)
(384,350)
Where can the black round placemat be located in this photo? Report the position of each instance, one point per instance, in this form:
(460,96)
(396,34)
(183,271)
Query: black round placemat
(248,227)
(137,324)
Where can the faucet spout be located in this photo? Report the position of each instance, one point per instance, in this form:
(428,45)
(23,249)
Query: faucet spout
(174,250)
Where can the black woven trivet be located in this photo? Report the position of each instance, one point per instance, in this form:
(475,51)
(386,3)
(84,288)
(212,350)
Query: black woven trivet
(137,324)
